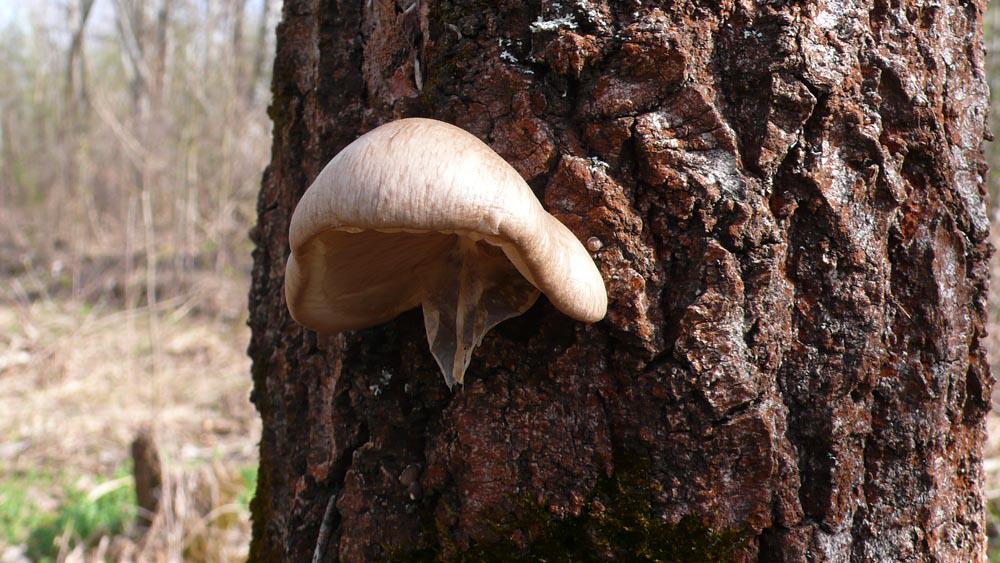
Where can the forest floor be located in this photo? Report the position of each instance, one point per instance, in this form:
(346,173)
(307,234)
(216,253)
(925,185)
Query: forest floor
(80,380)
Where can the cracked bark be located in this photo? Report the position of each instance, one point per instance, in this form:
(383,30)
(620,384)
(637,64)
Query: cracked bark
(788,208)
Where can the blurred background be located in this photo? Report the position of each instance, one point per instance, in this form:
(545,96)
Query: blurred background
(133,136)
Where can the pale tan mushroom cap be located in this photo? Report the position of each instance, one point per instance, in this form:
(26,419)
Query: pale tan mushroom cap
(385,208)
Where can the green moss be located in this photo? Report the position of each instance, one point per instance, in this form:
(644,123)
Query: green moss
(619,523)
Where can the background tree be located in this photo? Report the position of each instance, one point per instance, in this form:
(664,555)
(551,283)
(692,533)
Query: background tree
(788,208)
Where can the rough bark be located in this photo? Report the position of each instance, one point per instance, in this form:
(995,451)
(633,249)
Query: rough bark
(788,199)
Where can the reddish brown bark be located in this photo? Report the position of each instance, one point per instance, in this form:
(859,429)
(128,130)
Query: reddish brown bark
(789,204)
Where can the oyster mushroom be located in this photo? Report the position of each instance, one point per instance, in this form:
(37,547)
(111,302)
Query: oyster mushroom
(420,212)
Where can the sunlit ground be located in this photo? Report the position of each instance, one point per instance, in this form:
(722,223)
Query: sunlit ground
(80,381)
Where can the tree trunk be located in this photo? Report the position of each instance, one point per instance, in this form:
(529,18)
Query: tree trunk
(787,204)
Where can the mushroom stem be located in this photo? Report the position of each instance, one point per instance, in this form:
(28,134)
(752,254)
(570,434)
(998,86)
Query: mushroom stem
(476,288)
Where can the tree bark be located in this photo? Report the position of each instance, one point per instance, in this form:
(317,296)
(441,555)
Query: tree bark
(787,203)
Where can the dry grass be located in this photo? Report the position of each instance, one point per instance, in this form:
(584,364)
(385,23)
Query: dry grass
(204,517)
(77,383)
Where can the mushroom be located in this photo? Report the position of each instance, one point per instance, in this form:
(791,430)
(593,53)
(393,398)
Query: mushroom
(420,212)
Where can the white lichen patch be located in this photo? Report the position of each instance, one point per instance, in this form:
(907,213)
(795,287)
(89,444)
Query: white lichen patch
(592,14)
(826,20)
(563,22)
(720,168)
(598,164)
(383,381)
(508,57)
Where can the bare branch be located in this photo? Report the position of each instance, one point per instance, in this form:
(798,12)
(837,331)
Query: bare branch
(76,83)
(129,22)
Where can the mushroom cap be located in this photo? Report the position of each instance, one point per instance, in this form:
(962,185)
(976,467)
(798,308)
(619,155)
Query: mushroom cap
(366,234)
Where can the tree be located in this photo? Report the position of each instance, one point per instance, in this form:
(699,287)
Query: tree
(789,207)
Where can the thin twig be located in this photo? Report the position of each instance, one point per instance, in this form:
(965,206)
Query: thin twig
(324,530)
